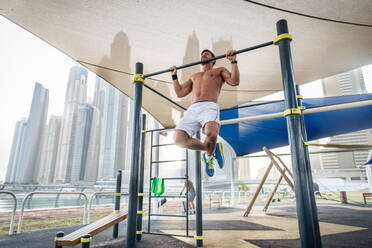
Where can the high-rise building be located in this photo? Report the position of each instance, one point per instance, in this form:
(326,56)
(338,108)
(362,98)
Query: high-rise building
(80,141)
(29,161)
(91,167)
(112,105)
(50,149)
(18,140)
(75,95)
(346,165)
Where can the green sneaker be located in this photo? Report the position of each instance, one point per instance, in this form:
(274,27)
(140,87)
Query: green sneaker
(209,165)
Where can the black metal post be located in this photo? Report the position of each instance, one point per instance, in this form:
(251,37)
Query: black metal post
(115,231)
(304,213)
(85,241)
(58,236)
(133,181)
(199,210)
(141,175)
(318,239)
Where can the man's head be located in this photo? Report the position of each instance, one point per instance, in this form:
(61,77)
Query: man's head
(206,54)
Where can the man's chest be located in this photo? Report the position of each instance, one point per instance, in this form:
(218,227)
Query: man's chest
(213,76)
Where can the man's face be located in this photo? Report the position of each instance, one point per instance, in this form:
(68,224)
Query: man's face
(206,55)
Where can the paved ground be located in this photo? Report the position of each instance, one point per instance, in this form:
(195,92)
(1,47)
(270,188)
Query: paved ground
(341,226)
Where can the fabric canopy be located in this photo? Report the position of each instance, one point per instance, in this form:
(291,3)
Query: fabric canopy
(250,137)
(109,37)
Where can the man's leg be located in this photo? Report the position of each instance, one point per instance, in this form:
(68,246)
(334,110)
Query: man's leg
(211,130)
(182,139)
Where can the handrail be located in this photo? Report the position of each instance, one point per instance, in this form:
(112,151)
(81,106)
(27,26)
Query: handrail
(19,230)
(93,196)
(14,210)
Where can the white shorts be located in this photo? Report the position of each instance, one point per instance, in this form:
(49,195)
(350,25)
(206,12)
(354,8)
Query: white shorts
(197,115)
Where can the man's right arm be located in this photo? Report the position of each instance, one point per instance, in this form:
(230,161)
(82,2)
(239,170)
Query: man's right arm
(180,89)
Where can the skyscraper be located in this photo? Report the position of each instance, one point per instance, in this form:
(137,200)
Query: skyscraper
(75,95)
(18,140)
(346,164)
(112,105)
(80,141)
(29,161)
(91,167)
(49,152)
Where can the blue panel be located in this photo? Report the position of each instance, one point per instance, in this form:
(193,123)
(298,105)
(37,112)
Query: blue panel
(250,137)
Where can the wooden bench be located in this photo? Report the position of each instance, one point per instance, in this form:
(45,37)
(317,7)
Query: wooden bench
(92,229)
(366,195)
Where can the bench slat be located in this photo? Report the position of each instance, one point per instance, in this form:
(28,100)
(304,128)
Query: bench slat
(93,229)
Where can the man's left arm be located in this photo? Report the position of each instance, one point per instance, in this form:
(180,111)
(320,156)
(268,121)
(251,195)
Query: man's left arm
(233,77)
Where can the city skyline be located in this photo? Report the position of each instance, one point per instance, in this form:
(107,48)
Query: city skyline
(70,148)
(26,59)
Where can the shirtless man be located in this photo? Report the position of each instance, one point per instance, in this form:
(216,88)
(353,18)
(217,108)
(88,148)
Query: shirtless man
(204,112)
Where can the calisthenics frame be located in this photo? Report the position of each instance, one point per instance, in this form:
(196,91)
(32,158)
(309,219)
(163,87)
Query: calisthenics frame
(305,203)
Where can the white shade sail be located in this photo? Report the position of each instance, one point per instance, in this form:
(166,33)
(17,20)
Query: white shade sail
(109,37)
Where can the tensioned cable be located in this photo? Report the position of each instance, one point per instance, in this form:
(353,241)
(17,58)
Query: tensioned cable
(161,81)
(160,94)
(130,74)
(309,16)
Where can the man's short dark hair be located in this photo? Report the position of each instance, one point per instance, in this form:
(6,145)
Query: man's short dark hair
(207,50)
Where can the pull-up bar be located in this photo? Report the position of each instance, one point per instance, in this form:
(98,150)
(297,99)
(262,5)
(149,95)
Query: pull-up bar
(210,59)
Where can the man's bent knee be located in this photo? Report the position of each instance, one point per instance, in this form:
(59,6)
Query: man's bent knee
(180,138)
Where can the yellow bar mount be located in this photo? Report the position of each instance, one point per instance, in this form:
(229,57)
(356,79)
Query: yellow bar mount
(281,37)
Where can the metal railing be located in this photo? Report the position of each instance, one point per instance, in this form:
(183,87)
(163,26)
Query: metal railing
(19,230)
(14,210)
(93,196)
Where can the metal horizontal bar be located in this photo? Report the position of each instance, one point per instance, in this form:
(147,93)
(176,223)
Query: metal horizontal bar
(169,234)
(168,215)
(174,178)
(169,196)
(210,59)
(317,152)
(168,129)
(170,144)
(168,161)
(306,111)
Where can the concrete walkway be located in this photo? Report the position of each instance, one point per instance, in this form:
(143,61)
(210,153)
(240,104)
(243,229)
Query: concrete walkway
(341,226)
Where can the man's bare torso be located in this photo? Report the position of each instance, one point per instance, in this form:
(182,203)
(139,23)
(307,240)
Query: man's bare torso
(207,85)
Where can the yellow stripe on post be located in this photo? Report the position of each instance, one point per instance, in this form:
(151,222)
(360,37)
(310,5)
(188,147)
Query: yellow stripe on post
(199,237)
(138,232)
(302,108)
(85,240)
(143,131)
(292,111)
(140,212)
(139,78)
(306,143)
(299,97)
(282,37)
(141,194)
(116,211)
(117,194)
